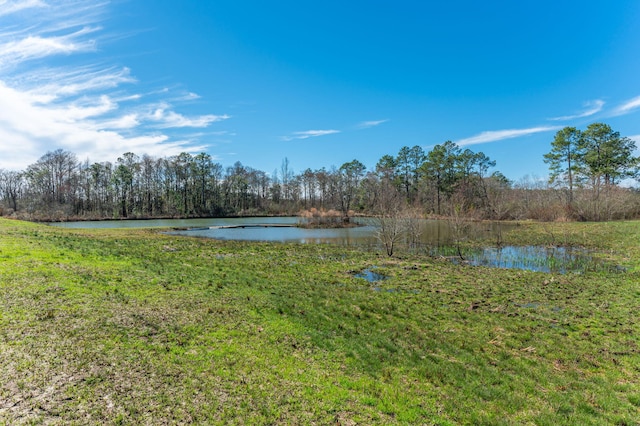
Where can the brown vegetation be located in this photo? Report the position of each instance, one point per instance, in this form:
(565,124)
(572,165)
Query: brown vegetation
(321,218)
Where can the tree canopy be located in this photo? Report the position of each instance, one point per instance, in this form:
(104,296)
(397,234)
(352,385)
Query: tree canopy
(585,165)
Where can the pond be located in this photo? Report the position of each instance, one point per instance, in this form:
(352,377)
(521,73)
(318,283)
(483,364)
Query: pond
(431,232)
(174,223)
(434,235)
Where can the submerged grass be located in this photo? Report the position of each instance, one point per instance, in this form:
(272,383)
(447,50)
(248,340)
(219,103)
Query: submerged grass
(137,327)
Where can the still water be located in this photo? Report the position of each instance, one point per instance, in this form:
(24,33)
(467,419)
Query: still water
(537,258)
(432,232)
(175,223)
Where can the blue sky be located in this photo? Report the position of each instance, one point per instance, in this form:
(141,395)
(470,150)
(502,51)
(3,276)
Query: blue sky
(320,83)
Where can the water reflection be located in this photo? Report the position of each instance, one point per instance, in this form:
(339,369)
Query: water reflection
(176,223)
(362,235)
(536,258)
(370,276)
(431,232)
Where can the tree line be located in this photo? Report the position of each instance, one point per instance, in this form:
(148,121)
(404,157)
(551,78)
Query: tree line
(586,167)
(596,160)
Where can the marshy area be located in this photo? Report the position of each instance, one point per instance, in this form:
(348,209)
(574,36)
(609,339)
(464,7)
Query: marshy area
(124,326)
(474,243)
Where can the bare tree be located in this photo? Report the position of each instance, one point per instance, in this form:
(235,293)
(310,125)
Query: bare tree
(53,180)
(458,224)
(11,186)
(390,223)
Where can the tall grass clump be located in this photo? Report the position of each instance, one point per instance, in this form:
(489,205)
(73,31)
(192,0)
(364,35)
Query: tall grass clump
(322,218)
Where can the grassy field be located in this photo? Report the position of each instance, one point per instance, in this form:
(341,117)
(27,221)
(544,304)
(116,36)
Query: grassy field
(136,327)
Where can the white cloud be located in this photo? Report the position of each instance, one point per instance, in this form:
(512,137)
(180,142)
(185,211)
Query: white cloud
(170,119)
(83,108)
(128,121)
(129,98)
(498,135)
(594,107)
(34,47)
(7,7)
(190,96)
(25,140)
(309,134)
(628,106)
(82,128)
(48,85)
(368,124)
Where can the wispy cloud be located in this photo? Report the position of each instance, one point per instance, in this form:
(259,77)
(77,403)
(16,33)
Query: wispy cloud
(368,124)
(190,96)
(87,108)
(8,7)
(76,111)
(129,121)
(628,106)
(167,119)
(35,47)
(309,134)
(593,107)
(498,135)
(48,85)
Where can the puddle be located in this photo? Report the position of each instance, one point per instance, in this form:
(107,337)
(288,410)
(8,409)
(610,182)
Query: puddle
(536,258)
(530,305)
(373,277)
(370,276)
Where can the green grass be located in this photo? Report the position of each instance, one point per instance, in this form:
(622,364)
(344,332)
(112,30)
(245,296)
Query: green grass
(136,327)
